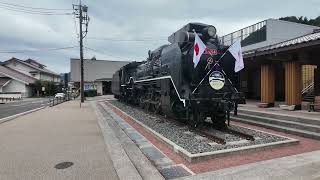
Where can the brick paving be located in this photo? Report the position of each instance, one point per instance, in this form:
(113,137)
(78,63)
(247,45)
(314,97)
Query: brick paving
(32,145)
(305,145)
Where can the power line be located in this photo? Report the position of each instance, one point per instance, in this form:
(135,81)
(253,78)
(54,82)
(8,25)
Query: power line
(29,7)
(126,40)
(29,10)
(33,12)
(36,50)
(103,52)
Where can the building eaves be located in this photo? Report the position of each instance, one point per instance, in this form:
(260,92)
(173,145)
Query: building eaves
(43,70)
(4,81)
(11,73)
(299,42)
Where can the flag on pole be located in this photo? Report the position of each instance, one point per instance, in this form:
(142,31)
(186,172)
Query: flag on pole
(198,48)
(235,50)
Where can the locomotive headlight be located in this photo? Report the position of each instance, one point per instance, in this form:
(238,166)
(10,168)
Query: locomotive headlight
(211,31)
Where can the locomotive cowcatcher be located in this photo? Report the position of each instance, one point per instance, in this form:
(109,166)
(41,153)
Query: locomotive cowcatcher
(168,83)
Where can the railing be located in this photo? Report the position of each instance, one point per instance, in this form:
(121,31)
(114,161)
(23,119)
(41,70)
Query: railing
(249,35)
(6,99)
(58,100)
(308,88)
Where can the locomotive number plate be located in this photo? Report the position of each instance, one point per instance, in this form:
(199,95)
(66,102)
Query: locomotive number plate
(216,80)
(210,52)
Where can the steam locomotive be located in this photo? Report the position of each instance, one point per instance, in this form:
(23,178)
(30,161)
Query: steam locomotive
(168,83)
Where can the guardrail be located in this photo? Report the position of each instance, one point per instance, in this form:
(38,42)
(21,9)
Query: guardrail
(6,99)
(58,100)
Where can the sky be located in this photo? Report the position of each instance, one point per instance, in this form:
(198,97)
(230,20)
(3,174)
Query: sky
(125,30)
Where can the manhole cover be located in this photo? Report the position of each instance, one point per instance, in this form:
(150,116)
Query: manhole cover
(63,165)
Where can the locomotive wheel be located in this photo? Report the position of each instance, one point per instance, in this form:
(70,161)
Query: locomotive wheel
(158,108)
(196,119)
(147,106)
(178,110)
(219,120)
(141,103)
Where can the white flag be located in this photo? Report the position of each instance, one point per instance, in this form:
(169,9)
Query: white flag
(198,48)
(235,50)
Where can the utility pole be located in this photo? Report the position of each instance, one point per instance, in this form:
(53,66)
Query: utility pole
(81,12)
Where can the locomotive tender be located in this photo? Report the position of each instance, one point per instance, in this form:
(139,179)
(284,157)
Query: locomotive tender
(167,82)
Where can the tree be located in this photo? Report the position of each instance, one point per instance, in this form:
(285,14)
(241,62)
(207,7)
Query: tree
(302,20)
(50,88)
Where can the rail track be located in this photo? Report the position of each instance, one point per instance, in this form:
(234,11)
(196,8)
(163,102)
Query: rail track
(200,131)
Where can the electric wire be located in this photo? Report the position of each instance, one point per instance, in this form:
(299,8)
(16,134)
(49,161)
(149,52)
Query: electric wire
(33,12)
(36,50)
(103,52)
(29,7)
(126,40)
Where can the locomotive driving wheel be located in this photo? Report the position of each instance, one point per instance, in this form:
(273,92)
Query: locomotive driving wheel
(157,106)
(196,119)
(219,120)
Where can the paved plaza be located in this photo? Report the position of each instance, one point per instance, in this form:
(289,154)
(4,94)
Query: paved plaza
(32,145)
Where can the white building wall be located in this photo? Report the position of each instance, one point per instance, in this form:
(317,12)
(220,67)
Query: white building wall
(46,77)
(279,31)
(17,86)
(99,87)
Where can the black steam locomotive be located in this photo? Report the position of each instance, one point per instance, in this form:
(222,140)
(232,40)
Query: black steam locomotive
(167,82)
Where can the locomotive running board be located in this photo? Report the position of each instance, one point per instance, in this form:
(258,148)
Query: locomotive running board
(163,77)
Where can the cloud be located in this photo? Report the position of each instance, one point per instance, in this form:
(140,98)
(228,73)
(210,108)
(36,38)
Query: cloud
(127,19)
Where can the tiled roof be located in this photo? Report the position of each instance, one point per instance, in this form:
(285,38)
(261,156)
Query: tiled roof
(4,80)
(8,72)
(44,70)
(296,41)
(299,40)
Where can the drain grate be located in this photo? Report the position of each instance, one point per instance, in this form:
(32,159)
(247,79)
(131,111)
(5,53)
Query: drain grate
(63,165)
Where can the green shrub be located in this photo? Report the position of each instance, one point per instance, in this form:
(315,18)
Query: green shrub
(90,93)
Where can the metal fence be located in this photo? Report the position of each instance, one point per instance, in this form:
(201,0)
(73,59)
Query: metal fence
(58,100)
(6,99)
(249,35)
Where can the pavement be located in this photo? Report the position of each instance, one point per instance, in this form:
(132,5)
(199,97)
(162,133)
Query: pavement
(32,145)
(20,106)
(298,167)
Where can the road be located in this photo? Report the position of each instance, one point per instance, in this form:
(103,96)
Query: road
(17,107)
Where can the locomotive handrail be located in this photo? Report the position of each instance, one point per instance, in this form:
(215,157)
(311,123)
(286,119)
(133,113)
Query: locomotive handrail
(165,77)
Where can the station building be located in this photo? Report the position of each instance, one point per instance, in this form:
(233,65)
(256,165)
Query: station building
(282,62)
(97,74)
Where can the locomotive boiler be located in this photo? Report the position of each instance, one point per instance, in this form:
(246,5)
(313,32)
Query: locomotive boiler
(168,83)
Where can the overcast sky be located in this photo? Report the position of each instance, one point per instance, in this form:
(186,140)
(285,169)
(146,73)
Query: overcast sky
(116,20)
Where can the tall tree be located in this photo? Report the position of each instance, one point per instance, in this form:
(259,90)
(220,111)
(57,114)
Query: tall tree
(302,20)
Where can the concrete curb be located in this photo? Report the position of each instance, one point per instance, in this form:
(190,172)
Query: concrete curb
(20,114)
(209,155)
(121,162)
(142,163)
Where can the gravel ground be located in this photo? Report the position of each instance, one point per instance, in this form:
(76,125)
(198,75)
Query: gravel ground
(194,143)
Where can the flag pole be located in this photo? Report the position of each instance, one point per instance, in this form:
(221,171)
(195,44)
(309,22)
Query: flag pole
(209,71)
(213,67)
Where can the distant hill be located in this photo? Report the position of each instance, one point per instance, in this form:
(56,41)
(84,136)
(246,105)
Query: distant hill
(302,20)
